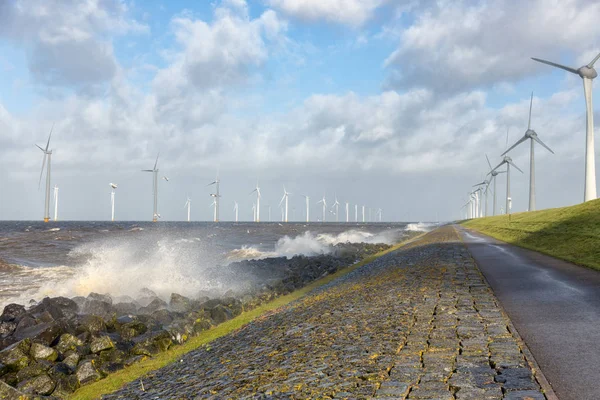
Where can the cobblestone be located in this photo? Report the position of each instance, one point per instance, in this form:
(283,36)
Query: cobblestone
(418,323)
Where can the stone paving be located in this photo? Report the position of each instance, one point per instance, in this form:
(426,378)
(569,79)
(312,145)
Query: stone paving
(418,323)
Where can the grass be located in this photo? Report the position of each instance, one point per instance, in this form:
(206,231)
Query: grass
(118,379)
(568,233)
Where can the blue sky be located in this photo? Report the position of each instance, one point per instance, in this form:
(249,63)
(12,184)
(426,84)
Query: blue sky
(329,96)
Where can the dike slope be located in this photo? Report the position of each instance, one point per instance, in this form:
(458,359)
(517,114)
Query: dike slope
(417,323)
(569,233)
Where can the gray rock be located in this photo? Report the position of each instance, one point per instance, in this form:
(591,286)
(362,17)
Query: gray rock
(164,316)
(65,385)
(132,329)
(68,342)
(180,303)
(11,312)
(8,392)
(15,357)
(41,352)
(33,370)
(101,297)
(98,307)
(155,304)
(7,327)
(220,314)
(152,343)
(125,308)
(101,343)
(91,323)
(41,384)
(46,333)
(58,307)
(87,372)
(71,360)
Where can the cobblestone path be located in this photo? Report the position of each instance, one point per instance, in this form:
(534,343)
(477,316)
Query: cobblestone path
(418,323)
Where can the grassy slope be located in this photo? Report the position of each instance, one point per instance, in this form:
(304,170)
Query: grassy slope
(569,233)
(137,371)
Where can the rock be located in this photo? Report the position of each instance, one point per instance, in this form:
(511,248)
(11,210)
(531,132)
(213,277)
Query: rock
(179,303)
(71,359)
(65,385)
(44,317)
(9,393)
(163,317)
(79,300)
(155,304)
(92,324)
(132,329)
(68,342)
(41,384)
(220,314)
(87,372)
(152,343)
(101,297)
(98,307)
(46,333)
(58,307)
(11,312)
(26,321)
(33,370)
(125,319)
(10,378)
(125,308)
(15,357)
(101,343)
(7,327)
(201,324)
(41,352)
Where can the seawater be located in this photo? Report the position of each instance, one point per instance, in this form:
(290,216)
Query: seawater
(122,258)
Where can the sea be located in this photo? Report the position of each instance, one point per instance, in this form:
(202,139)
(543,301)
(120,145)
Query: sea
(123,258)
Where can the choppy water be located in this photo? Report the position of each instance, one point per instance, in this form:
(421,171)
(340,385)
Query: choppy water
(76,258)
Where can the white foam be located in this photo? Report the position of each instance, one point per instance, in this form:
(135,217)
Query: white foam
(420,227)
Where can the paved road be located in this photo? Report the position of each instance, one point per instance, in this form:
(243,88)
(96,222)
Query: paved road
(554,305)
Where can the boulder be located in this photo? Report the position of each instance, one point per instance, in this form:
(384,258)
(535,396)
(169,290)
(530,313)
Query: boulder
(8,392)
(101,297)
(65,385)
(41,384)
(57,307)
(32,370)
(125,319)
(45,333)
(132,329)
(155,304)
(101,343)
(11,312)
(7,327)
(68,342)
(41,352)
(26,321)
(152,343)
(71,359)
(10,378)
(98,307)
(201,324)
(79,300)
(91,323)
(87,372)
(16,356)
(125,308)
(164,316)
(179,303)
(220,314)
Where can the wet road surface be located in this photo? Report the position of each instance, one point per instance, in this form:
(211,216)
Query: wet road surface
(555,306)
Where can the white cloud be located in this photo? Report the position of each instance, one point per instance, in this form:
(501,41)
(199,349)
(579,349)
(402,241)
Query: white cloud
(457,45)
(348,12)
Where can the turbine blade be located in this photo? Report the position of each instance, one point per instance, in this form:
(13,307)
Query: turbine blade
(498,166)
(147,170)
(537,139)
(212,183)
(283,198)
(49,136)
(513,164)
(156,162)
(569,69)
(530,105)
(488,161)
(591,64)
(524,138)
(39,147)
(42,171)
(501,172)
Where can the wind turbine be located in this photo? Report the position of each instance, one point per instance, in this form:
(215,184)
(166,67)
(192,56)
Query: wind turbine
(216,196)
(379,212)
(356,213)
(154,171)
(587,73)
(508,161)
(307,207)
(47,156)
(236,209)
(363,214)
(336,205)
(188,204)
(485,183)
(112,200)
(286,194)
(254,211)
(493,174)
(324,207)
(347,212)
(215,203)
(257,205)
(55,203)
(530,134)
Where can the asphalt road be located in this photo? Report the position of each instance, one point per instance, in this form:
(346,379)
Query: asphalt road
(554,305)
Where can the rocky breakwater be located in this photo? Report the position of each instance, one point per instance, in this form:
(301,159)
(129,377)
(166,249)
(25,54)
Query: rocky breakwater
(55,346)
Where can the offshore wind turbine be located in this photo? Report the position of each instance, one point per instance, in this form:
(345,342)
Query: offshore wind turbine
(188,204)
(347,212)
(356,213)
(112,200)
(286,194)
(532,135)
(154,171)
(214,204)
(307,207)
(336,204)
(254,212)
(588,74)
(55,203)
(217,195)
(46,161)
(363,213)
(257,205)
(324,207)
(236,209)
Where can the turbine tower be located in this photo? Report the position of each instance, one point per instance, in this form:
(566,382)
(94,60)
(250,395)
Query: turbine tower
(217,195)
(154,171)
(188,204)
(347,212)
(236,209)
(530,134)
(286,194)
(363,214)
(257,205)
(55,203)
(485,183)
(508,161)
(493,173)
(587,73)
(356,213)
(112,200)
(336,205)
(254,211)
(307,207)
(46,161)
(215,204)
(324,207)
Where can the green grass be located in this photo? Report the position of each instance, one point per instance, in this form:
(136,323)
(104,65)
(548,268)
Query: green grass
(568,233)
(118,379)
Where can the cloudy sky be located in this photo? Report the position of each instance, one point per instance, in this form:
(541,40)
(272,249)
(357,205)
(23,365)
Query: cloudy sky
(387,103)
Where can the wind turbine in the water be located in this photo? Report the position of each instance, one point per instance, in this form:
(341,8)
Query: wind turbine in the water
(48,157)
(336,205)
(508,161)
(254,211)
(356,213)
(286,194)
(532,135)
(214,204)
(363,213)
(217,195)
(307,207)
(347,212)
(55,203)
(236,209)
(379,212)
(112,200)
(257,205)
(587,73)
(324,207)
(188,204)
(154,171)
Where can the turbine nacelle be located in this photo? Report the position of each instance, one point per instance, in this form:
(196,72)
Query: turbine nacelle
(587,72)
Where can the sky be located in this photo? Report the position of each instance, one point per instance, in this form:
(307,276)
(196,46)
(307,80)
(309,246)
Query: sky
(388,103)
